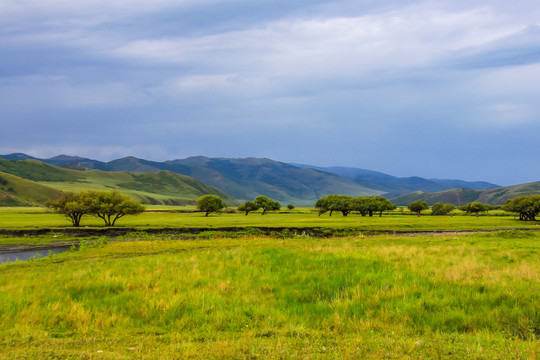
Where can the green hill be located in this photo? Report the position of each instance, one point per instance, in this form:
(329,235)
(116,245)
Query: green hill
(458,197)
(162,187)
(16,191)
(248,178)
(243,179)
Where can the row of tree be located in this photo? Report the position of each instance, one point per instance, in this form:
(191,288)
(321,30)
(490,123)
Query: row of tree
(107,205)
(111,206)
(365,205)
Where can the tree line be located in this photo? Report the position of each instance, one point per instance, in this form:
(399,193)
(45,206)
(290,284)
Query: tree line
(365,205)
(111,206)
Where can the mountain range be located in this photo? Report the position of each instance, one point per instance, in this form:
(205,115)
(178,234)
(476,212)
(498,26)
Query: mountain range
(247,178)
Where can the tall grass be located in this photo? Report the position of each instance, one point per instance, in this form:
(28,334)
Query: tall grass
(382,297)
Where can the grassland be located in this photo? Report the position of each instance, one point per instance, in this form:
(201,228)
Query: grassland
(24,218)
(471,296)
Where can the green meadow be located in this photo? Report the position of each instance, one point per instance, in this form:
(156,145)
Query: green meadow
(460,287)
(181,217)
(473,296)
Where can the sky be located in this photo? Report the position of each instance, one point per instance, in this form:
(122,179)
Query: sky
(438,89)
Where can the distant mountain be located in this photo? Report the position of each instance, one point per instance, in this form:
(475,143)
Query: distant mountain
(247,178)
(162,187)
(394,186)
(251,177)
(243,179)
(458,197)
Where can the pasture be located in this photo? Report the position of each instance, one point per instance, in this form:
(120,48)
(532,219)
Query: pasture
(184,217)
(474,296)
(469,293)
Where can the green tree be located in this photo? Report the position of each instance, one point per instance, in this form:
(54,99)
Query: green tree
(382,204)
(248,206)
(528,207)
(325,204)
(361,204)
(333,203)
(73,206)
(368,205)
(417,206)
(111,205)
(442,209)
(266,204)
(290,206)
(475,208)
(209,204)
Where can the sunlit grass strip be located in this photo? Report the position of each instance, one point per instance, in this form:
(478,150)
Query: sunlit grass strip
(474,296)
(33,218)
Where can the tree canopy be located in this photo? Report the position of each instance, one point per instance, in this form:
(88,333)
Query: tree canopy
(248,206)
(528,207)
(365,205)
(262,202)
(475,208)
(72,205)
(111,206)
(108,205)
(209,204)
(417,206)
(442,209)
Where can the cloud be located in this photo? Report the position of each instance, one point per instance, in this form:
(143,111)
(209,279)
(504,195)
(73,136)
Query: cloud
(239,78)
(41,92)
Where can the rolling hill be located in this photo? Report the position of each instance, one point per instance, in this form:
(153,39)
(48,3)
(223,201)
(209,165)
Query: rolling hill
(394,186)
(243,179)
(247,178)
(162,187)
(497,196)
(16,191)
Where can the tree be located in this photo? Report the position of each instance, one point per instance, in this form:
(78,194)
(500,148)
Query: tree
(526,206)
(382,204)
(475,207)
(442,209)
(210,203)
(368,205)
(72,205)
(266,204)
(333,203)
(325,204)
(361,204)
(290,206)
(111,205)
(344,204)
(417,206)
(248,206)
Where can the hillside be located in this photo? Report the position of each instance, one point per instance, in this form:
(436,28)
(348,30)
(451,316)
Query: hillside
(395,186)
(250,177)
(458,197)
(243,179)
(16,191)
(162,187)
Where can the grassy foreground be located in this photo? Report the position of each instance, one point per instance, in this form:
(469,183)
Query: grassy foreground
(382,297)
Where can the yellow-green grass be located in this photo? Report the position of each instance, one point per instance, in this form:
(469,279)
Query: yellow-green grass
(26,218)
(383,297)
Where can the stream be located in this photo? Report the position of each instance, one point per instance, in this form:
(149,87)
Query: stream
(23,255)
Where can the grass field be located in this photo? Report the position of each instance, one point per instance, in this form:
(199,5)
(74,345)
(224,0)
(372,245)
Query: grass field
(473,296)
(24,218)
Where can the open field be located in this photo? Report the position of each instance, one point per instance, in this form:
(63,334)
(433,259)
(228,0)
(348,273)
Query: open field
(471,296)
(24,218)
